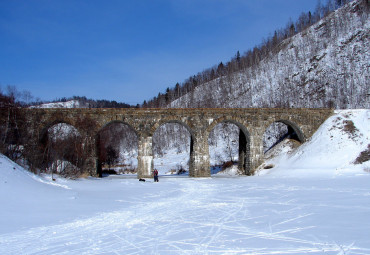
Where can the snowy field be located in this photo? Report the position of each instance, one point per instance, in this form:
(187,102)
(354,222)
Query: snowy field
(314,201)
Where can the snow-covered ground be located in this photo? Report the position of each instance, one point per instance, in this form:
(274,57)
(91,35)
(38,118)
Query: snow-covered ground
(314,201)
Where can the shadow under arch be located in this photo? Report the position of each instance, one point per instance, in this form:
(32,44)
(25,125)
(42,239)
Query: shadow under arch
(293,132)
(294,129)
(158,125)
(244,162)
(98,142)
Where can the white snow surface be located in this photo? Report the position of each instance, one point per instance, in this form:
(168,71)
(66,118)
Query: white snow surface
(67,104)
(315,201)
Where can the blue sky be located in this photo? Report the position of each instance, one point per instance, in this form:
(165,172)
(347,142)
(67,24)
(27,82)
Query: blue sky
(127,51)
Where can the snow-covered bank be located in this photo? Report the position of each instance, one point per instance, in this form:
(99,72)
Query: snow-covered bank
(332,150)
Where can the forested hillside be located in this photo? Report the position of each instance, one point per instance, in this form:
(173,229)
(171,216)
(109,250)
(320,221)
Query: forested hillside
(311,63)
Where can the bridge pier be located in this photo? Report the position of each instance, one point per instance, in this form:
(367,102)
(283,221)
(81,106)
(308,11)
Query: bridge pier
(91,164)
(145,157)
(199,165)
(256,152)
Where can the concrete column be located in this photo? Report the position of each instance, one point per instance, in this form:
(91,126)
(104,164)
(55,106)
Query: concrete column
(145,157)
(199,165)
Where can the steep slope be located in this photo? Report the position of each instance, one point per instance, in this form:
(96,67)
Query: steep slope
(326,65)
(22,192)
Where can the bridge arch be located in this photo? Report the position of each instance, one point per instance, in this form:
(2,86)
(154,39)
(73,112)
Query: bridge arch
(44,130)
(158,144)
(110,138)
(165,121)
(244,160)
(295,127)
(279,130)
(113,122)
(233,120)
(61,143)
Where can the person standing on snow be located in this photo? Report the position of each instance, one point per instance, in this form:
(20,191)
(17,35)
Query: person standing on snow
(156,175)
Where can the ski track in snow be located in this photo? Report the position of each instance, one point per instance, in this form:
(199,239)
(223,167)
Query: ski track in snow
(205,217)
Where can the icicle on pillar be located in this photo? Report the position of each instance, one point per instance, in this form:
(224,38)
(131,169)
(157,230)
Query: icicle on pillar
(199,165)
(145,157)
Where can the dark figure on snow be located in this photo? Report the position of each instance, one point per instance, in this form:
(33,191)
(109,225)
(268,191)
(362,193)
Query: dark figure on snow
(155,175)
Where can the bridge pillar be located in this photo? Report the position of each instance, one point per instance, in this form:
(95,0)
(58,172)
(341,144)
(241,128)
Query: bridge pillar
(145,157)
(256,153)
(91,163)
(199,165)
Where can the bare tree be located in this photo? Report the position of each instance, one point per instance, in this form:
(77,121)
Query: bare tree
(63,151)
(112,156)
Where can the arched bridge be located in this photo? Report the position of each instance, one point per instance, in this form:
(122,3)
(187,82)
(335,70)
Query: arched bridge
(199,123)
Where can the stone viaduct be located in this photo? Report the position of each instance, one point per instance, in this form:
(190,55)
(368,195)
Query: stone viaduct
(199,123)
